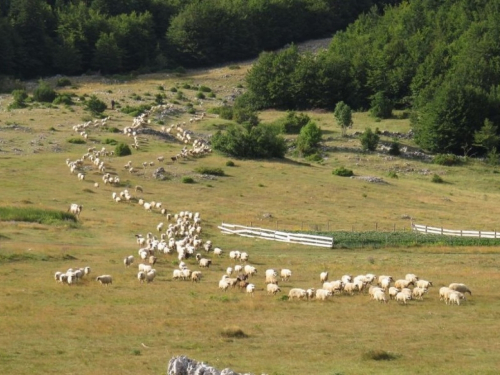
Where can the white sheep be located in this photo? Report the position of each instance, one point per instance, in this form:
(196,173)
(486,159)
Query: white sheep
(229,271)
(379,295)
(177,274)
(402,297)
(374,289)
(244,257)
(400,284)
(250,289)
(346,279)
(249,270)
(418,292)
(223,284)
(323,294)
(145,267)
(296,293)
(218,251)
(150,276)
(285,274)
(141,276)
(75,209)
(334,286)
(323,277)
(393,291)
(196,276)
(105,279)
(411,277)
(349,288)
(311,293)
(454,297)
(443,293)
(273,289)
(234,254)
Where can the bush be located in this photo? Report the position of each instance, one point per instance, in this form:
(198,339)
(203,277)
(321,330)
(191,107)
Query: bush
(137,110)
(173,89)
(112,129)
(210,171)
(187,180)
(110,141)
(205,89)
(293,122)
(95,105)
(393,174)
(308,139)
(230,163)
(379,355)
(63,99)
(20,97)
(200,95)
(159,98)
(437,179)
(63,82)
(316,157)
(394,149)
(343,172)
(122,150)
(44,93)
(369,140)
(186,86)
(77,141)
(233,332)
(225,112)
(381,106)
(446,159)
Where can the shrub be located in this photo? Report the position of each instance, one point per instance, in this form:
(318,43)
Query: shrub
(379,355)
(20,97)
(186,86)
(308,139)
(234,67)
(44,93)
(293,122)
(173,89)
(63,99)
(394,149)
(200,95)
(210,171)
(437,179)
(122,150)
(205,89)
(380,105)
(316,157)
(343,172)
(446,159)
(393,174)
(95,105)
(135,110)
(159,98)
(211,95)
(112,129)
(78,141)
(191,111)
(230,163)
(187,180)
(225,112)
(369,140)
(63,82)
(110,141)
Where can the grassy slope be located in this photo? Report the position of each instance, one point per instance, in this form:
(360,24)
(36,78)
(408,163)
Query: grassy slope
(89,329)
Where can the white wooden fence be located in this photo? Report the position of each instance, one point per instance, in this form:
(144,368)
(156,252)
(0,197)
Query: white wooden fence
(267,234)
(460,233)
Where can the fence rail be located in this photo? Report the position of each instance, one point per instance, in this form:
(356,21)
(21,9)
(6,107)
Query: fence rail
(268,234)
(459,233)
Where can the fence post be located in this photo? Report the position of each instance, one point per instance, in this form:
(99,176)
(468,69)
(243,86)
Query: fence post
(479,234)
(441,231)
(376,227)
(328,226)
(461,233)
(426,229)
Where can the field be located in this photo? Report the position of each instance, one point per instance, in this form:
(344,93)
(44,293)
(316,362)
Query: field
(133,328)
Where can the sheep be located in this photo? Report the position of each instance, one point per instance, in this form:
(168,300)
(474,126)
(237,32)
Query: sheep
(346,279)
(379,295)
(323,294)
(443,293)
(145,267)
(374,289)
(238,268)
(385,283)
(86,271)
(218,251)
(105,279)
(382,277)
(462,288)
(235,254)
(244,257)
(141,276)
(424,284)
(196,276)
(152,260)
(57,275)
(204,262)
(285,274)
(408,292)
(311,293)
(402,297)
(186,273)
(454,297)
(334,286)
(418,292)
(296,293)
(323,277)
(75,209)
(177,274)
(249,270)
(393,291)
(411,277)
(223,284)
(250,289)
(349,288)
(96,185)
(402,283)
(150,276)
(273,289)
(147,206)
(271,279)
(271,272)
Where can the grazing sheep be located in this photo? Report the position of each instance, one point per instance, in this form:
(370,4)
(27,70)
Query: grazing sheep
(105,279)
(323,277)
(249,270)
(285,274)
(152,260)
(323,294)
(374,289)
(424,284)
(145,267)
(238,268)
(273,289)
(454,297)
(196,276)
(311,293)
(379,295)
(250,289)
(418,292)
(139,188)
(411,277)
(223,284)
(349,288)
(334,286)
(400,284)
(346,279)
(96,185)
(296,293)
(393,291)
(385,283)
(150,276)
(218,251)
(462,288)
(75,209)
(271,279)
(177,274)
(244,257)
(443,292)
(382,277)
(141,276)
(402,297)
(235,254)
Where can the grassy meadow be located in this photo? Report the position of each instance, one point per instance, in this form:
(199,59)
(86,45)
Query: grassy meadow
(133,328)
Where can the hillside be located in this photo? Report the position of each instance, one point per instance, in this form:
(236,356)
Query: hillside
(129,327)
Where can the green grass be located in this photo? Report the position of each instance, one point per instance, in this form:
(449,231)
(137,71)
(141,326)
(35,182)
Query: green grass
(35,215)
(210,171)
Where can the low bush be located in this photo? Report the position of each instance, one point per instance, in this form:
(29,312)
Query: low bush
(187,180)
(135,110)
(20,97)
(63,82)
(122,150)
(44,93)
(210,171)
(78,141)
(225,112)
(95,105)
(446,159)
(437,179)
(200,95)
(35,215)
(393,174)
(379,355)
(110,141)
(63,99)
(205,89)
(394,149)
(233,332)
(343,172)
(230,163)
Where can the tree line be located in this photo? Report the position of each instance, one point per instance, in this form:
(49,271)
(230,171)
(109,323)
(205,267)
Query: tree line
(439,61)
(46,37)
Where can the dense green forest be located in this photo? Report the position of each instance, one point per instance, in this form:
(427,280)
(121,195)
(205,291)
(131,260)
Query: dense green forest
(40,38)
(438,60)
